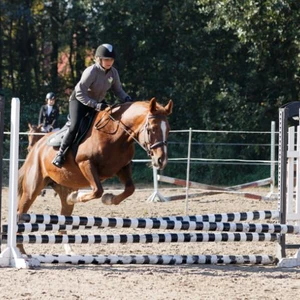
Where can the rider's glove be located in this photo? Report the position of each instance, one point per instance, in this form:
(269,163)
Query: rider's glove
(100,106)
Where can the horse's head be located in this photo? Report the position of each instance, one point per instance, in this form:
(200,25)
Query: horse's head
(155,133)
(32,137)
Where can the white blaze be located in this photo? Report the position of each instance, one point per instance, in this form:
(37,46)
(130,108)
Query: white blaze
(163,127)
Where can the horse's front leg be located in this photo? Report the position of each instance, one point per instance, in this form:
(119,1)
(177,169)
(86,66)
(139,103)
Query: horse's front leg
(90,173)
(125,177)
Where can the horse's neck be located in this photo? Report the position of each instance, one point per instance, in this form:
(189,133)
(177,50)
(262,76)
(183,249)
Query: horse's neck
(125,122)
(135,118)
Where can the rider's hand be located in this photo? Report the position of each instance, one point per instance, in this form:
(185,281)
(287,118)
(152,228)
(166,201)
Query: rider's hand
(100,106)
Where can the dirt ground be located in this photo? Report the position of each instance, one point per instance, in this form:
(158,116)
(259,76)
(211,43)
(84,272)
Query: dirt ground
(153,281)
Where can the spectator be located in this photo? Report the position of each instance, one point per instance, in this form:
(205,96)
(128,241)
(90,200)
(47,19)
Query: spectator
(49,113)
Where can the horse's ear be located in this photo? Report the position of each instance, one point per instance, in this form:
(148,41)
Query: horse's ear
(29,126)
(40,126)
(152,105)
(169,107)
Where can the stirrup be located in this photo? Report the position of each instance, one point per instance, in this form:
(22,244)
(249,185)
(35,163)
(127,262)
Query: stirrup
(58,160)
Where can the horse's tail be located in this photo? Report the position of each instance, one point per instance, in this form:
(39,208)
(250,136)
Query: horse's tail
(21,174)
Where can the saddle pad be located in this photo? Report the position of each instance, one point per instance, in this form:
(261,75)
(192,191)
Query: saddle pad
(56,138)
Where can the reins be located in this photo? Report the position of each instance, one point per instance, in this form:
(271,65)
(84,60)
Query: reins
(122,126)
(128,132)
(132,133)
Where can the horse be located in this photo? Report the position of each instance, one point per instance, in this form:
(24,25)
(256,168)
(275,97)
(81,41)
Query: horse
(32,136)
(106,150)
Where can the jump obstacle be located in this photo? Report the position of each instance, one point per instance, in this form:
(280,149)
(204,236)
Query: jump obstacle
(210,189)
(246,232)
(255,232)
(155,259)
(175,222)
(144,223)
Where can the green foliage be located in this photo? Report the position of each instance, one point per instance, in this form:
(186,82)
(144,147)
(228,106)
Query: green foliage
(227,59)
(228,65)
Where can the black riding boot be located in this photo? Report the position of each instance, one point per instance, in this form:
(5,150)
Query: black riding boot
(59,159)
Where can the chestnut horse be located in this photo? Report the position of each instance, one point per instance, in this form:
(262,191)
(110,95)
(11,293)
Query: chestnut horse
(32,137)
(106,151)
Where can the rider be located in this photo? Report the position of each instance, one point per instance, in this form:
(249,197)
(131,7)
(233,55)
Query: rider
(49,114)
(89,94)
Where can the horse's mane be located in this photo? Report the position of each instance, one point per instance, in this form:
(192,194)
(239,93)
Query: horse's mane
(159,108)
(118,111)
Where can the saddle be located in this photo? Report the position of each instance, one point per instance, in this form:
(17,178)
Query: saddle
(55,139)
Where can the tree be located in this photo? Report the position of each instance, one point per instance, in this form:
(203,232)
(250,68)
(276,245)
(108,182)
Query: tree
(219,60)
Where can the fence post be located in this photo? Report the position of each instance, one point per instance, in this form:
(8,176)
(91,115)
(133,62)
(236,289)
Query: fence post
(188,172)
(272,170)
(156,193)
(2,107)
(11,256)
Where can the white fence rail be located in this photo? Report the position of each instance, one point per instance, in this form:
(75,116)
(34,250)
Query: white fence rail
(188,159)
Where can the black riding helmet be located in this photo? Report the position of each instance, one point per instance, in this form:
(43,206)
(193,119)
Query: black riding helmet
(50,95)
(106,51)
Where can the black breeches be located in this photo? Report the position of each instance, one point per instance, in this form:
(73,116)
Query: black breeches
(77,112)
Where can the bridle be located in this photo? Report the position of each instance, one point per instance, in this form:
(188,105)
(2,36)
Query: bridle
(147,146)
(147,134)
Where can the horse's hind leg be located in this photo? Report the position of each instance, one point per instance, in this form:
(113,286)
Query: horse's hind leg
(29,194)
(30,191)
(66,209)
(125,177)
(63,192)
(90,173)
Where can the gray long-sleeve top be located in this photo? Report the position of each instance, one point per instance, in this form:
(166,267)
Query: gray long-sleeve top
(94,84)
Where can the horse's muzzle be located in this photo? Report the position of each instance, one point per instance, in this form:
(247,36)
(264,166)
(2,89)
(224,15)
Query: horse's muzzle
(159,158)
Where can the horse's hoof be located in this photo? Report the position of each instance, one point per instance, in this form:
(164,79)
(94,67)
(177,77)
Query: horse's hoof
(69,250)
(72,198)
(107,199)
